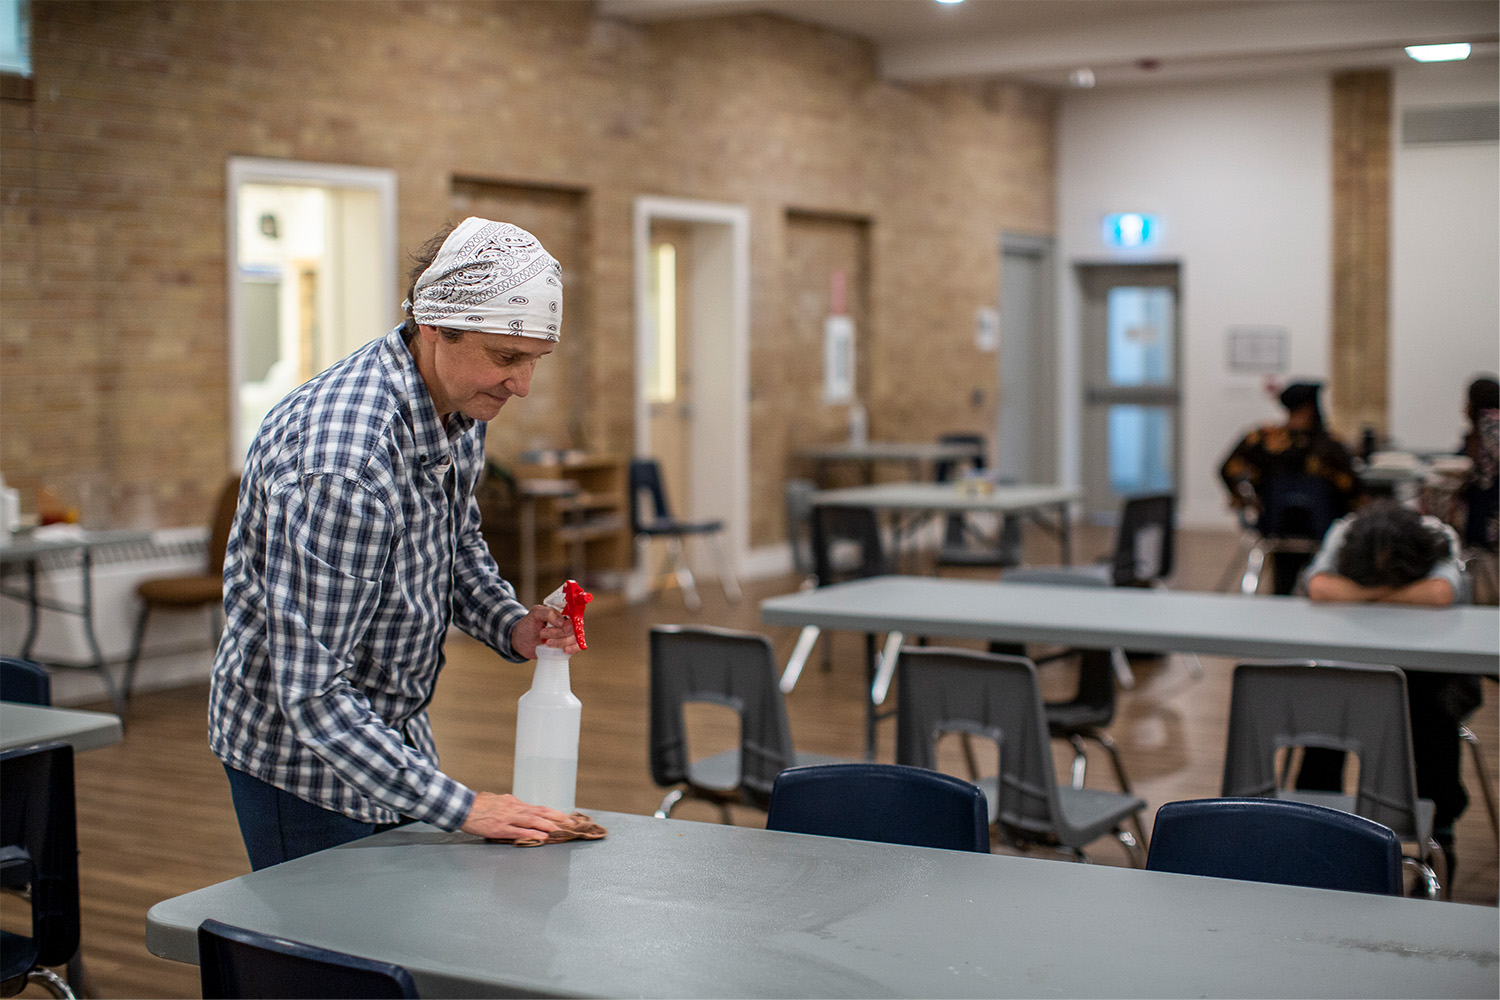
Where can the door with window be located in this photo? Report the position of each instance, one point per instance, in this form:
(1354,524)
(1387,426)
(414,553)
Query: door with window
(1131,350)
(669,386)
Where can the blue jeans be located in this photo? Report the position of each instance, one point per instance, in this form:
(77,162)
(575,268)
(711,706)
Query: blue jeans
(278,826)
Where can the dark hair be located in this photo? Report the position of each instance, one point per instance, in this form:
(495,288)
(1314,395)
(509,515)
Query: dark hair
(1484,394)
(421,259)
(1389,545)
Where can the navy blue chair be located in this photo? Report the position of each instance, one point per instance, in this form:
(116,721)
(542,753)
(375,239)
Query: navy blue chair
(39,851)
(24,682)
(888,803)
(1276,840)
(236,962)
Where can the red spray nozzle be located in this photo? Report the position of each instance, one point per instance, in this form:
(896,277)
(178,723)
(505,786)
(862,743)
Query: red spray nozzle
(574,599)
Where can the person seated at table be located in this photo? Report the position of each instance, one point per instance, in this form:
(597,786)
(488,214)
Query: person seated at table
(1300,446)
(1480,491)
(1391,554)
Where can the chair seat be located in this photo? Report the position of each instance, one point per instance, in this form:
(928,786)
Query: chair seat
(1064,717)
(669,527)
(17,958)
(721,772)
(1345,803)
(182,590)
(1087,813)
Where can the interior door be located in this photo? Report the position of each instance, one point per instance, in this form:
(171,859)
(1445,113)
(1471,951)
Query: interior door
(1131,362)
(670,386)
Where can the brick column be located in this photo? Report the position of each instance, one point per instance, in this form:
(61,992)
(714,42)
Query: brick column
(1361,251)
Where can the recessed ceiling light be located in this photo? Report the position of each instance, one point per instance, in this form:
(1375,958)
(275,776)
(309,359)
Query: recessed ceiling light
(950,1)
(1438,53)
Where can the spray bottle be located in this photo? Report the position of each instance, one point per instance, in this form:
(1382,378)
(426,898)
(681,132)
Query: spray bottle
(547,717)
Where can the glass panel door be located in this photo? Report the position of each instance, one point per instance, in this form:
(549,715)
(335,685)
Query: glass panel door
(1131,394)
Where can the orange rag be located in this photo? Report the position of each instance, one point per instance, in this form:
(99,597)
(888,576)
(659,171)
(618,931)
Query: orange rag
(578,827)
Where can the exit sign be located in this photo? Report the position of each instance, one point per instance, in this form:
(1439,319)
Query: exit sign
(1129,230)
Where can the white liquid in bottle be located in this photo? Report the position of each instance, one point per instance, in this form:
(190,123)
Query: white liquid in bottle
(547,719)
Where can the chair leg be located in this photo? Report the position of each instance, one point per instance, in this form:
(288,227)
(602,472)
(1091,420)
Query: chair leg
(1254,563)
(1080,760)
(684,575)
(52,982)
(664,811)
(135,652)
(1467,735)
(1432,889)
(727,580)
(805,643)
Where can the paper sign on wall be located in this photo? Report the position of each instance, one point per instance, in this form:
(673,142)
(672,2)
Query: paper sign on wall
(838,359)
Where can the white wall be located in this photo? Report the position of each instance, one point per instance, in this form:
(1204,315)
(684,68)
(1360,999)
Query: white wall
(1445,259)
(1238,174)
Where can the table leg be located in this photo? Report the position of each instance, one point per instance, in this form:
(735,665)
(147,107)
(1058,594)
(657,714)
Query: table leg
(86,584)
(528,551)
(33,610)
(1065,533)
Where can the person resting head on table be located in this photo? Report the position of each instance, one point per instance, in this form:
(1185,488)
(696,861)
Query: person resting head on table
(355,547)
(1388,553)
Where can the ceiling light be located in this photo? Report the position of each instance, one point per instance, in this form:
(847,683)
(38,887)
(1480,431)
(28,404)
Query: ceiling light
(1438,53)
(1083,77)
(950,1)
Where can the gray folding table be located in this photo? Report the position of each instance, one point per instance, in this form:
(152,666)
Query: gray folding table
(668,908)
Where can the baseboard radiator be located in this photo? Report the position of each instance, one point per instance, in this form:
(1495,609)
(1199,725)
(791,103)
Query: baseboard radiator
(179,645)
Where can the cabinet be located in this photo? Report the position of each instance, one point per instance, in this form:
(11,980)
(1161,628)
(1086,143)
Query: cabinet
(559,519)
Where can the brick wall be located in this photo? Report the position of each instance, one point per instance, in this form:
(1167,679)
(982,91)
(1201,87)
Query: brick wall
(113,367)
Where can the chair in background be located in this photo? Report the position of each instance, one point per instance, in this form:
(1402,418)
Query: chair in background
(965,543)
(1084,716)
(887,803)
(651,518)
(847,545)
(1287,514)
(1144,555)
(798,494)
(996,697)
(39,851)
(1358,708)
(191,592)
(235,962)
(722,667)
(24,682)
(1276,840)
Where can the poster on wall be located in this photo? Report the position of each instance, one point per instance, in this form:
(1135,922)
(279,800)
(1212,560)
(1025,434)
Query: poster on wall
(838,359)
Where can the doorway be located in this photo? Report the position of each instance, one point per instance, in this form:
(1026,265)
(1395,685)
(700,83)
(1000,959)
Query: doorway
(312,268)
(1131,344)
(692,360)
(1026,417)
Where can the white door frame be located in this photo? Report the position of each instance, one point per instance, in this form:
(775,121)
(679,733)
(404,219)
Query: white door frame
(720,325)
(253,170)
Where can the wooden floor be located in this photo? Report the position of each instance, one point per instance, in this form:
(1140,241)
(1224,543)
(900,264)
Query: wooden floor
(155,818)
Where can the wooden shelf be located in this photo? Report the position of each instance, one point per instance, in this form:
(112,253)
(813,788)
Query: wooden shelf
(582,523)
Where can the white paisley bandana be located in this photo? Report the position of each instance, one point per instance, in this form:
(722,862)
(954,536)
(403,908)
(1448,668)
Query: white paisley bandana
(493,277)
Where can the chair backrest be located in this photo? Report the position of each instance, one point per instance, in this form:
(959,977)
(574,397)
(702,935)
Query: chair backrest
(223,523)
(1276,840)
(946,469)
(1296,506)
(989,695)
(39,830)
(1358,708)
(889,803)
(235,962)
(836,528)
(724,667)
(799,509)
(1145,542)
(24,681)
(648,497)
(1096,669)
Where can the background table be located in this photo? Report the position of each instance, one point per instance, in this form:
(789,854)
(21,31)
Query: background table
(1464,639)
(926,500)
(669,908)
(917,456)
(33,725)
(28,550)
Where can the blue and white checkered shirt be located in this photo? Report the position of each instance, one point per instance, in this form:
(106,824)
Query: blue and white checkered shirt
(356,545)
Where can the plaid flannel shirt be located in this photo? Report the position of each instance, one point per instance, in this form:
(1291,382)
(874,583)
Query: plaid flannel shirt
(356,545)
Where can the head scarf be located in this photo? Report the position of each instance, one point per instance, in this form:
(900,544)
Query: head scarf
(492,277)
